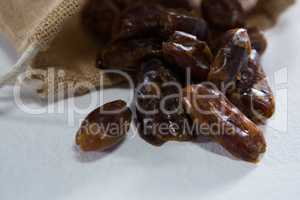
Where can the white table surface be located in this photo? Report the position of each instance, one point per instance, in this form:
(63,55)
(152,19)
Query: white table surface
(38,160)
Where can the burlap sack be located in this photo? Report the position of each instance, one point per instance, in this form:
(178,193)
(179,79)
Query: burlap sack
(48,35)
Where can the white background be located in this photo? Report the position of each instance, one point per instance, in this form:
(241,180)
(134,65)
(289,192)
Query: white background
(38,159)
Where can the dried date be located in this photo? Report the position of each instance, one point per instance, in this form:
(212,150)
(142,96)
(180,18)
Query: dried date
(253,95)
(154,21)
(186,52)
(238,73)
(226,124)
(230,59)
(127,55)
(223,14)
(160,115)
(99,18)
(104,127)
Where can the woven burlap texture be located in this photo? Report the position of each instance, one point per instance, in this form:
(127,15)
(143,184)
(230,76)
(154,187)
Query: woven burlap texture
(53,29)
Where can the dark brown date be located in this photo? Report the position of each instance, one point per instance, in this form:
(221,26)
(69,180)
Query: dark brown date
(186,52)
(99,18)
(218,39)
(127,55)
(185,22)
(160,115)
(154,21)
(104,127)
(223,14)
(224,122)
(230,59)
(140,21)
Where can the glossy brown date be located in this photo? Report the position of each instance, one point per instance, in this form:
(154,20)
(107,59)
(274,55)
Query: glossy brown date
(237,72)
(230,59)
(105,127)
(209,108)
(218,39)
(160,116)
(188,53)
(253,95)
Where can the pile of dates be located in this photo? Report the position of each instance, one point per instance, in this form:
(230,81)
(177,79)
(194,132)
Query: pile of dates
(197,71)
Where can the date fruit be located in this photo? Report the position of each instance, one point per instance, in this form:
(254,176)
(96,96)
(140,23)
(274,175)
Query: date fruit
(253,95)
(237,73)
(230,59)
(105,127)
(127,55)
(186,52)
(160,114)
(208,107)
(155,21)
(99,18)
(223,14)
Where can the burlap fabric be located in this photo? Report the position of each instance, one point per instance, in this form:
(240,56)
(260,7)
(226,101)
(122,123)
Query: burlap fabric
(48,35)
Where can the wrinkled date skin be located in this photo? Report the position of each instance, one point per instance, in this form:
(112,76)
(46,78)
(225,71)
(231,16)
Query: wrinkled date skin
(237,72)
(230,59)
(154,21)
(235,132)
(159,120)
(127,55)
(186,52)
(105,127)
(253,95)
(223,14)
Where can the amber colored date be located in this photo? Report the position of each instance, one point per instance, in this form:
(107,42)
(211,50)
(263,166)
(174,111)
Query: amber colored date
(253,95)
(230,59)
(188,53)
(104,127)
(227,125)
(236,70)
